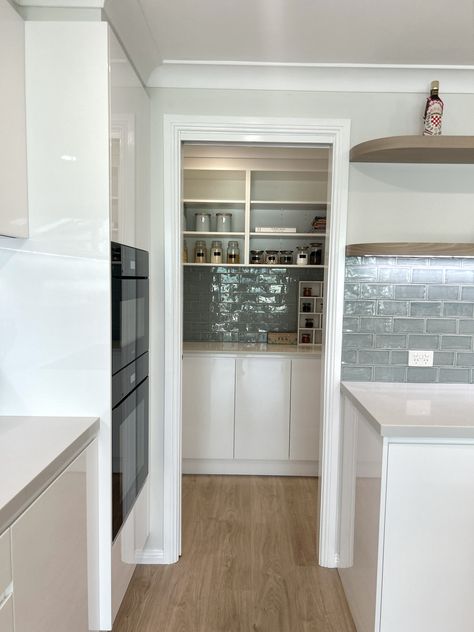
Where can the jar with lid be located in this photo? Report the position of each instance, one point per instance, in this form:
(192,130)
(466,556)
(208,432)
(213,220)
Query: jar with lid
(202,222)
(216,252)
(286,257)
(185,252)
(309,323)
(271,257)
(257,256)
(233,252)
(224,222)
(302,255)
(306,307)
(200,252)
(316,254)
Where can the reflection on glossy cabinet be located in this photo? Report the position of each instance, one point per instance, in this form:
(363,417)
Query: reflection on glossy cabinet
(208,408)
(305,409)
(49,557)
(262,408)
(13,180)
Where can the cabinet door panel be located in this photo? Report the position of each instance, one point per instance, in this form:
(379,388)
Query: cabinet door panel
(305,414)
(6,616)
(49,557)
(262,408)
(208,408)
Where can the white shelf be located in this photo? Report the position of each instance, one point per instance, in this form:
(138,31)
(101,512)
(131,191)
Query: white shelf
(196,233)
(291,204)
(253,265)
(288,235)
(216,202)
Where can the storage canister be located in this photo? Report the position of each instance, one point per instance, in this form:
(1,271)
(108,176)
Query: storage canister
(185,252)
(257,256)
(233,252)
(202,222)
(271,257)
(316,255)
(224,222)
(302,255)
(200,252)
(216,252)
(286,257)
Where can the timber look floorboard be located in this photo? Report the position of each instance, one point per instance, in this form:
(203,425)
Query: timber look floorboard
(248,564)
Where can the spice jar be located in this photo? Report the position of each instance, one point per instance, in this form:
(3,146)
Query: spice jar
(224,222)
(316,254)
(185,252)
(271,257)
(309,323)
(200,252)
(216,252)
(305,339)
(202,222)
(286,257)
(306,291)
(302,255)
(233,252)
(306,307)
(257,256)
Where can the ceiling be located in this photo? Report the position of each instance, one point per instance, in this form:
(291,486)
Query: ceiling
(398,32)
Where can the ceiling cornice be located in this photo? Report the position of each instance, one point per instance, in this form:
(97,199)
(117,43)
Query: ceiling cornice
(311,77)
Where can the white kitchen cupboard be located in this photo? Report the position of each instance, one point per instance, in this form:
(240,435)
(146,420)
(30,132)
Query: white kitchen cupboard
(305,409)
(50,556)
(13,170)
(208,408)
(6,586)
(262,408)
(406,515)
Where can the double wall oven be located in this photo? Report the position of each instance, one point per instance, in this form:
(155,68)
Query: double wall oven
(129,379)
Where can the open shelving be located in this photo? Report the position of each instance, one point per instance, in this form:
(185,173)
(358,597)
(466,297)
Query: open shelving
(310,309)
(416,149)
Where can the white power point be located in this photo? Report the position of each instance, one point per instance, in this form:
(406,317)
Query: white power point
(420,358)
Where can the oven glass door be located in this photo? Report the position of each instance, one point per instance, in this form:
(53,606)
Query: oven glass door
(129,453)
(129,320)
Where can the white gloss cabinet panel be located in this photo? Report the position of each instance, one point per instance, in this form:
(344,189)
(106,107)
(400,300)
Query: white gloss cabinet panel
(13,168)
(262,408)
(49,557)
(5,561)
(305,409)
(208,408)
(6,615)
(428,557)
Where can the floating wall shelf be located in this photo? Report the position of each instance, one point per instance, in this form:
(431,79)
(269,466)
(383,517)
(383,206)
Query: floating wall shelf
(416,149)
(411,249)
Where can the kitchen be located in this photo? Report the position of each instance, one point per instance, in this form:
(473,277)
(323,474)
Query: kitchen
(412,200)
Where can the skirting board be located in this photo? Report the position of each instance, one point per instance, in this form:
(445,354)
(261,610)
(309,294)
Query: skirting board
(149,556)
(250,468)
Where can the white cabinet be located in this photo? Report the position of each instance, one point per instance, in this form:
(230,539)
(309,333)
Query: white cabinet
(49,557)
(208,408)
(305,409)
(13,173)
(6,586)
(262,408)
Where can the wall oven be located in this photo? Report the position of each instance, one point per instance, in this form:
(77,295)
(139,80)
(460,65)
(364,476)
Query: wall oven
(130,426)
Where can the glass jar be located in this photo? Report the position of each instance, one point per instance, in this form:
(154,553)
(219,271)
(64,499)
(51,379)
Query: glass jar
(202,222)
(233,252)
(305,339)
(200,252)
(316,254)
(286,257)
(302,255)
(307,291)
(185,252)
(257,256)
(224,222)
(306,307)
(271,257)
(309,323)
(216,252)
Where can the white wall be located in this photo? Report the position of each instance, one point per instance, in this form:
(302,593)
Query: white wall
(386,202)
(55,287)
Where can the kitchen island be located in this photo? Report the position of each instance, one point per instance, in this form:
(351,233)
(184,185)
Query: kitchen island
(48,524)
(407,517)
(251,408)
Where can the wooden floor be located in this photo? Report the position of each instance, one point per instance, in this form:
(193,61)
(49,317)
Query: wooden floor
(248,564)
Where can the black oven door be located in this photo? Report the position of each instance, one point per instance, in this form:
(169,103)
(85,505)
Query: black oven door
(129,453)
(129,320)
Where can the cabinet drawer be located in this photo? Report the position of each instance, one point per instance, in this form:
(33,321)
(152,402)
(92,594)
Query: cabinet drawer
(5,563)
(6,615)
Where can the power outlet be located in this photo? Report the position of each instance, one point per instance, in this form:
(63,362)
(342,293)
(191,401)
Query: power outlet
(420,358)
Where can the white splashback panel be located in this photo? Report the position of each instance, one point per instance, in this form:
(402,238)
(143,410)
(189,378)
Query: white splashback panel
(55,287)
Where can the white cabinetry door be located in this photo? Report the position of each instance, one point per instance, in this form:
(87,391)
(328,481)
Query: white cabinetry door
(13,180)
(305,415)
(208,408)
(262,408)
(49,557)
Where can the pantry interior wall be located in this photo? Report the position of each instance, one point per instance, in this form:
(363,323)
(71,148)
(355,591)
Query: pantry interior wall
(386,202)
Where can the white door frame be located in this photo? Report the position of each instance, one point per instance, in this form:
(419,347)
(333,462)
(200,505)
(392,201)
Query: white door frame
(335,133)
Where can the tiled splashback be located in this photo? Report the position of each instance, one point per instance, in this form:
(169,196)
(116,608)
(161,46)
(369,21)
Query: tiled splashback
(393,304)
(241,304)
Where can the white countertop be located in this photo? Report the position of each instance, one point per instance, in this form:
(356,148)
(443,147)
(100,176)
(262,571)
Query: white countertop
(33,451)
(416,410)
(250,349)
